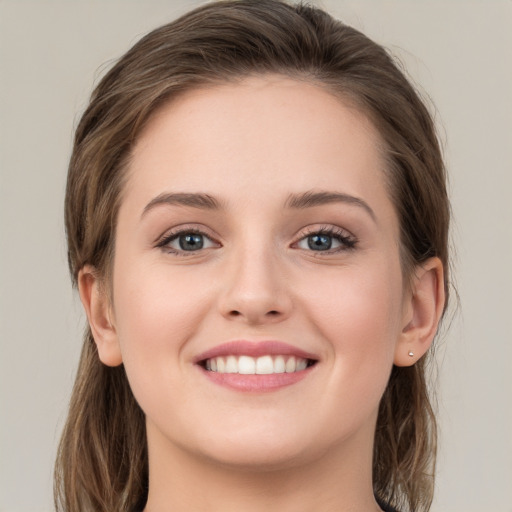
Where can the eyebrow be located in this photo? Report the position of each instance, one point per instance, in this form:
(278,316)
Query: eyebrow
(301,201)
(311,199)
(202,201)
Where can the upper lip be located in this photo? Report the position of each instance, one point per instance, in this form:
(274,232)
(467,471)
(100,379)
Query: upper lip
(254,349)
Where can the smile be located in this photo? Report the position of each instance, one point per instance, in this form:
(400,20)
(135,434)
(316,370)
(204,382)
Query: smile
(256,366)
(263,365)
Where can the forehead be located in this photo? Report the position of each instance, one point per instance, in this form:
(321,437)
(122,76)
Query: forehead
(263,135)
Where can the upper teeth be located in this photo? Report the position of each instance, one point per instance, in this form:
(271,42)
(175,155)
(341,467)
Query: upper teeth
(247,365)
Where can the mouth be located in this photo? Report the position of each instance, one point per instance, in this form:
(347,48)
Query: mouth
(263,365)
(256,366)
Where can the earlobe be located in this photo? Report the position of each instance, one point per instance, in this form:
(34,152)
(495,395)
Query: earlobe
(98,309)
(422,313)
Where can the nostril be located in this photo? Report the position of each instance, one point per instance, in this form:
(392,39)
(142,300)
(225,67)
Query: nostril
(255,315)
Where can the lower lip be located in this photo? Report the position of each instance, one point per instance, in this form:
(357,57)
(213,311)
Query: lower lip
(256,383)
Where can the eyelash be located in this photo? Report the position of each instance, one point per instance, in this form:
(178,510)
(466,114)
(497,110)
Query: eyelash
(174,235)
(348,242)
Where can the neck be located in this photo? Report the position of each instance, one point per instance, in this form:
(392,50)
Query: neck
(340,480)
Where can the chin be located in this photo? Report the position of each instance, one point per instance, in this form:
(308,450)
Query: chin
(267,447)
(258,458)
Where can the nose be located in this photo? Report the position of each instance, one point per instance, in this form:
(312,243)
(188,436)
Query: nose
(256,289)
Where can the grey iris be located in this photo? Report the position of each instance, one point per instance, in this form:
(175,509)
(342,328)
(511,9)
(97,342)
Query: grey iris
(191,242)
(319,242)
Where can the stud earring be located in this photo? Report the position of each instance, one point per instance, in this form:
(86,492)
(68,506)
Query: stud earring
(411,354)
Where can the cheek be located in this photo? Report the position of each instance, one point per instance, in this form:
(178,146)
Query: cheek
(154,320)
(359,312)
(156,310)
(156,313)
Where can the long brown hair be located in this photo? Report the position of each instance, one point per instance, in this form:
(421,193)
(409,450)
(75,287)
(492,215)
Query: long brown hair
(102,461)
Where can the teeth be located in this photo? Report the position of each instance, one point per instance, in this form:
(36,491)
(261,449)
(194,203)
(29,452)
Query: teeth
(246,365)
(291,365)
(279,364)
(302,364)
(264,365)
(231,365)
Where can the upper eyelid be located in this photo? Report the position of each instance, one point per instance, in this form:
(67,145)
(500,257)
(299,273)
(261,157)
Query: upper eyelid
(171,233)
(324,228)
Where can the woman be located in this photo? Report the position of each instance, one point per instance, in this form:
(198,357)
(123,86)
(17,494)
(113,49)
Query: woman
(257,224)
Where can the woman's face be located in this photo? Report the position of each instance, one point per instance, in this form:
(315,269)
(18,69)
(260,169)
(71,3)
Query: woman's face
(256,234)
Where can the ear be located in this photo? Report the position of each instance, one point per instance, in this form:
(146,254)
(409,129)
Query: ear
(99,313)
(422,313)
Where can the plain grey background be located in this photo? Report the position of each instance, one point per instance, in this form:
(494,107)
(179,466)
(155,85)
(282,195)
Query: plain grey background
(52,52)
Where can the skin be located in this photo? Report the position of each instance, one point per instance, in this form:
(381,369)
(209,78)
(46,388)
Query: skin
(250,145)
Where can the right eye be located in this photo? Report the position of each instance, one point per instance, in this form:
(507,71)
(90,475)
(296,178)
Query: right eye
(187,241)
(327,240)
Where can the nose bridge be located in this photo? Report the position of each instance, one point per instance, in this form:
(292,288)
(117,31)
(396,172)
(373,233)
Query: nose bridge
(256,290)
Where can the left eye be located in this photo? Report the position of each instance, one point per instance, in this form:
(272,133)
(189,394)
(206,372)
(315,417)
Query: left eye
(188,241)
(325,242)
